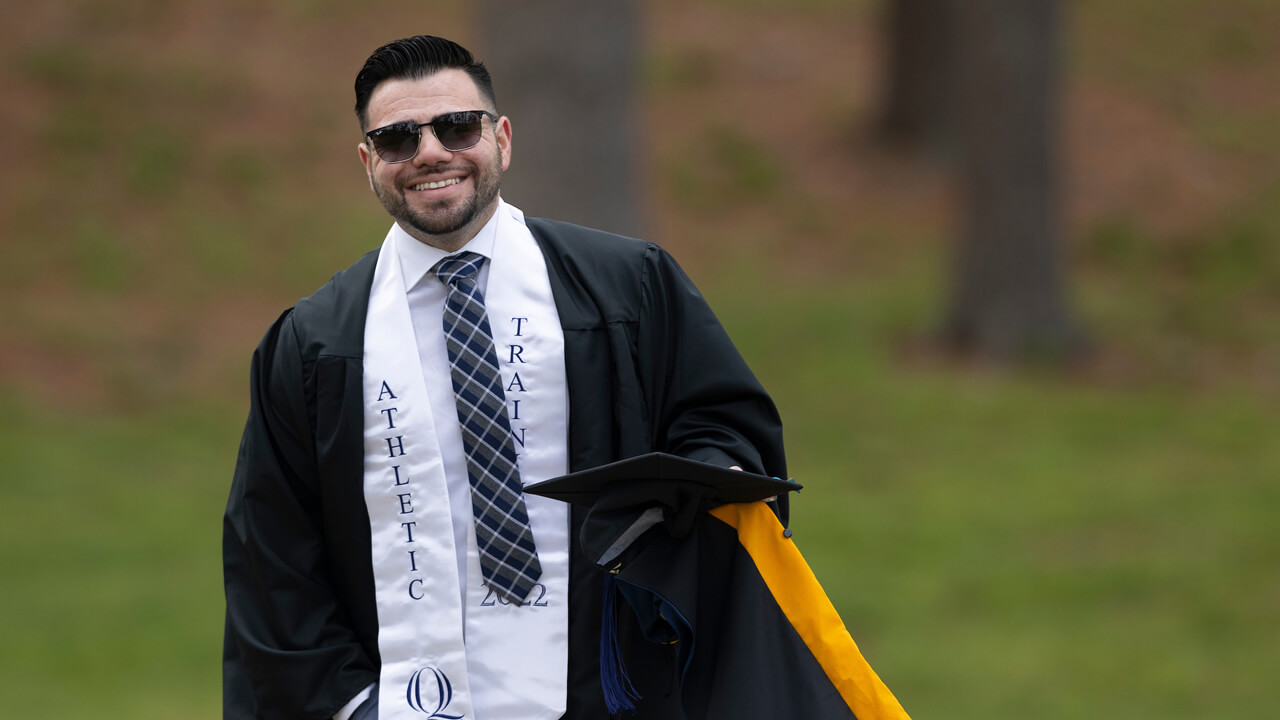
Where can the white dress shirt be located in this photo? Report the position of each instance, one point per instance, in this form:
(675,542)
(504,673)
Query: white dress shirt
(426,306)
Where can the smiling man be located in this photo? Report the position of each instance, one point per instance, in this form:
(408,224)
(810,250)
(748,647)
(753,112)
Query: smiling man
(441,197)
(381,557)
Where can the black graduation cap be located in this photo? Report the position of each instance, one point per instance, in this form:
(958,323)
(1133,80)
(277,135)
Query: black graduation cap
(627,499)
(657,470)
(630,496)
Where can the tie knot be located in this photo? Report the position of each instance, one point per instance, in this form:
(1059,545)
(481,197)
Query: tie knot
(462,266)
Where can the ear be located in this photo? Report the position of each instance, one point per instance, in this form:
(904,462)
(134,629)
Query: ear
(503,133)
(366,159)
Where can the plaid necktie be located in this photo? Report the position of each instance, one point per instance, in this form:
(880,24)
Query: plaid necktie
(508,557)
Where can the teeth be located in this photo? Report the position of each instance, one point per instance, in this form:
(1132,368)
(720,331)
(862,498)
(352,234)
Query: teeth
(436,185)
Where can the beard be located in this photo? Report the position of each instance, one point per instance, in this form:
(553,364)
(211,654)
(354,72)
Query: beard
(446,217)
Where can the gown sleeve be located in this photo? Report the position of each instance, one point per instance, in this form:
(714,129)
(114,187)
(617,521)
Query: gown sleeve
(704,402)
(289,651)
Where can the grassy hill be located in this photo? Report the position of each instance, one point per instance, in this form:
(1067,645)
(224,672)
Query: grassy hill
(1002,543)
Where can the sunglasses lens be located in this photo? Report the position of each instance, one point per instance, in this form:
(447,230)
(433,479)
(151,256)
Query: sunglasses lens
(458,131)
(395,144)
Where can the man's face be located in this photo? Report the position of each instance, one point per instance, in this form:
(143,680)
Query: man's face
(438,196)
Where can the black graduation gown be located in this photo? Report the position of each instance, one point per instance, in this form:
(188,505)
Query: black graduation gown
(649,369)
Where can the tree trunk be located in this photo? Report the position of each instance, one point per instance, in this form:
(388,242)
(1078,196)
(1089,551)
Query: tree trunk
(1008,297)
(921,76)
(565,72)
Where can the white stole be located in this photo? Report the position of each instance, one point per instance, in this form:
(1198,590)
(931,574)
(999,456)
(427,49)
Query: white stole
(509,662)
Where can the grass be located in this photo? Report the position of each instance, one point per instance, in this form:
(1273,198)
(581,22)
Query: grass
(1016,549)
(999,545)
(110,549)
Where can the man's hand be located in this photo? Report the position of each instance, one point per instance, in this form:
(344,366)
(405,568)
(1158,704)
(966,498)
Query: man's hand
(773,499)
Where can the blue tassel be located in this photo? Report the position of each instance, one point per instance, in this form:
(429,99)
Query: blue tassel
(619,693)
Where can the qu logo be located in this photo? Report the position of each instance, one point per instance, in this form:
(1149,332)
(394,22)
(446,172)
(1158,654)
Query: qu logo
(420,698)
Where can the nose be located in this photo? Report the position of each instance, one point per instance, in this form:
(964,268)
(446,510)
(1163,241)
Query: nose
(430,151)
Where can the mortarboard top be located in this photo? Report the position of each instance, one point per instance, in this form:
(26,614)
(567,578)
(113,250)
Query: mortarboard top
(658,472)
(628,497)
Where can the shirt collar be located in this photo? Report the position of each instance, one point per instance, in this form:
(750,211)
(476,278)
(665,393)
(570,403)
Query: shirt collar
(417,258)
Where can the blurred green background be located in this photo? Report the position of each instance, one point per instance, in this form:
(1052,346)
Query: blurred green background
(1095,541)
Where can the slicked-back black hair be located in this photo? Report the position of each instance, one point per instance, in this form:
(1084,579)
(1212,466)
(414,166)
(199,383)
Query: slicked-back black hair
(413,58)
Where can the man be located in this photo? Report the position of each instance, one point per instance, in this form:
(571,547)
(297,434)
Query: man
(380,557)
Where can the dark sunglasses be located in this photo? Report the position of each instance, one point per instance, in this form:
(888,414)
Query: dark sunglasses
(456,131)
